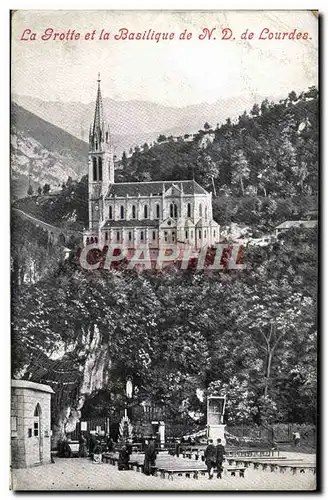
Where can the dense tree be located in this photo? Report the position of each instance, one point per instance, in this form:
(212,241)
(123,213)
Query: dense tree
(251,335)
(270,152)
(124,160)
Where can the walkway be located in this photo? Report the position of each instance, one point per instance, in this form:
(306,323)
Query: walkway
(45,225)
(81,474)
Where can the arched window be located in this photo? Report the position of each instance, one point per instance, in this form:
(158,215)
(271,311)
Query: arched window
(133,211)
(37,411)
(122,212)
(154,235)
(157,211)
(99,169)
(106,235)
(118,236)
(37,418)
(96,239)
(175,211)
(205,213)
(141,235)
(200,210)
(130,235)
(146,211)
(87,241)
(171,210)
(189,210)
(94,165)
(91,240)
(110,212)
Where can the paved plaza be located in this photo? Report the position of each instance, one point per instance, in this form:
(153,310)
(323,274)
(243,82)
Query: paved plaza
(81,474)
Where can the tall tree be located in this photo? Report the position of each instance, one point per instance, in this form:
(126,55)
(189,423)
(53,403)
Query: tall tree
(240,169)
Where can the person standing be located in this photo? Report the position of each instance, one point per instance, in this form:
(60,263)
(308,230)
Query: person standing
(177,447)
(97,453)
(129,447)
(83,452)
(210,458)
(123,458)
(297,439)
(92,444)
(150,456)
(220,452)
(110,444)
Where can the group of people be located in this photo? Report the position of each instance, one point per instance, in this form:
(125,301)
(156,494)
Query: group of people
(214,457)
(94,446)
(149,460)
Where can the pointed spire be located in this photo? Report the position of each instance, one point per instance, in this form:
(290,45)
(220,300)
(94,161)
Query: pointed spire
(98,121)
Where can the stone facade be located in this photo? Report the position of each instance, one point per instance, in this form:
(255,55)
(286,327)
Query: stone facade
(30,423)
(155,214)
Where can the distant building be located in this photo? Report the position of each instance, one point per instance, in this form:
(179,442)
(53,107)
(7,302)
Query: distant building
(312,214)
(261,242)
(289,224)
(142,213)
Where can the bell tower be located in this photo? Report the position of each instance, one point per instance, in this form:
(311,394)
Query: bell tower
(101,163)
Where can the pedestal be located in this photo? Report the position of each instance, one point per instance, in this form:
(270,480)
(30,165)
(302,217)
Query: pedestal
(216,432)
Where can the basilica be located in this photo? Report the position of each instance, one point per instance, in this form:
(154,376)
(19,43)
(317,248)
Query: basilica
(142,213)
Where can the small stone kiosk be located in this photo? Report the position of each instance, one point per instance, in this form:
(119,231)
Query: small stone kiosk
(30,423)
(215,414)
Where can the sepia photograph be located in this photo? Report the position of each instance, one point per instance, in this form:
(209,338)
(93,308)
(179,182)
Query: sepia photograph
(164,189)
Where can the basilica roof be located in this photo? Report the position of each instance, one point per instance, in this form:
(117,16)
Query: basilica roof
(153,188)
(204,223)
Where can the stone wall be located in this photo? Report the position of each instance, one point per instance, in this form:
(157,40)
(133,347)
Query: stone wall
(30,424)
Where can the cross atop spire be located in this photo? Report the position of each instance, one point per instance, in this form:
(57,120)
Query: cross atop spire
(98,77)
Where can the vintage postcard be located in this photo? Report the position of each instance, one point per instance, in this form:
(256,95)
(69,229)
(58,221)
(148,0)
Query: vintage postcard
(164,239)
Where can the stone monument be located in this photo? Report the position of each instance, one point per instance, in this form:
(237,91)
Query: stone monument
(215,414)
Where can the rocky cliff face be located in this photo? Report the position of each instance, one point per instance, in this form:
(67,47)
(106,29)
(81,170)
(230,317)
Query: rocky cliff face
(73,386)
(44,152)
(29,157)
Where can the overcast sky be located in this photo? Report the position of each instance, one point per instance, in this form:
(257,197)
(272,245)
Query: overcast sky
(176,73)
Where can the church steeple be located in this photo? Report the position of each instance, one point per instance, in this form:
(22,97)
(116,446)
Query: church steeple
(98,122)
(99,136)
(101,163)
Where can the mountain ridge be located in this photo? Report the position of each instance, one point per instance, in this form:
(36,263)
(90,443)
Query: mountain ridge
(134,122)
